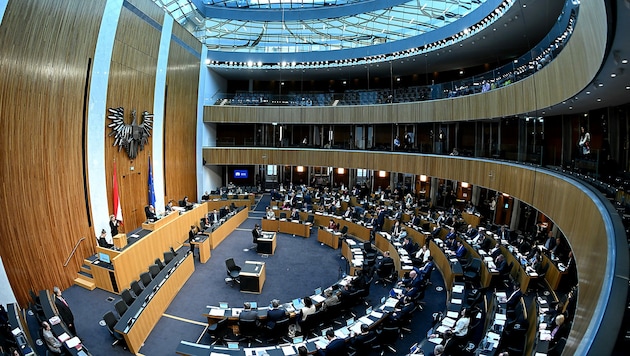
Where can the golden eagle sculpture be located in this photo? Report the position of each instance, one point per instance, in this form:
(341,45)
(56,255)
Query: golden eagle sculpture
(130,137)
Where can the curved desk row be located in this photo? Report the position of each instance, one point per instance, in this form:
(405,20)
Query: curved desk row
(20,334)
(292,227)
(141,316)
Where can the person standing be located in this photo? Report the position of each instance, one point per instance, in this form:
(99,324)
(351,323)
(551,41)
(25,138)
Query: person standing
(584,143)
(64,311)
(113,225)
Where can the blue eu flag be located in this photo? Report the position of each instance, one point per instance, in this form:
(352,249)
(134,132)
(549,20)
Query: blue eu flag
(151,188)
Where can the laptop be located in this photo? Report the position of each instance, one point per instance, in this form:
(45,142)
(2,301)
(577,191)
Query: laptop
(349,321)
(298,339)
(324,331)
(223,305)
(297,303)
(318,291)
(233,345)
(368,310)
(254,305)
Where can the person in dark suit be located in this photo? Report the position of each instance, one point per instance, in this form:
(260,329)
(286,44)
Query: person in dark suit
(149,211)
(514,298)
(192,233)
(113,225)
(360,339)
(295,214)
(275,314)
(336,347)
(248,314)
(102,240)
(64,311)
(380,220)
(214,217)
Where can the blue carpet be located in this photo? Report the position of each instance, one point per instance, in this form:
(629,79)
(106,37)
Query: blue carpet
(298,267)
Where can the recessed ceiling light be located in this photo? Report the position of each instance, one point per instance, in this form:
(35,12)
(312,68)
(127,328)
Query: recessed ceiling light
(588,93)
(624,61)
(570,107)
(628,87)
(600,84)
(599,99)
(612,75)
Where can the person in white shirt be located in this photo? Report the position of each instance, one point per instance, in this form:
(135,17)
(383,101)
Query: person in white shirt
(269,214)
(460,330)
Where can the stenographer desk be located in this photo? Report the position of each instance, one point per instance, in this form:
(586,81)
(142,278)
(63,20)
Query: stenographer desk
(286,226)
(359,231)
(328,237)
(202,242)
(141,317)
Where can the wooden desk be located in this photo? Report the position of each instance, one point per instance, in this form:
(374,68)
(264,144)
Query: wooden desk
(135,259)
(287,227)
(222,231)
(47,301)
(267,243)
(252,277)
(152,226)
(120,240)
(328,238)
(471,219)
(104,276)
(360,232)
(136,332)
(202,242)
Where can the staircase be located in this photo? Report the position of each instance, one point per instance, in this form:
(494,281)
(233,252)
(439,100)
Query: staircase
(85,278)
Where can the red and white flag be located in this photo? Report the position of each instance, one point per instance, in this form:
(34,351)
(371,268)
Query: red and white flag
(117,208)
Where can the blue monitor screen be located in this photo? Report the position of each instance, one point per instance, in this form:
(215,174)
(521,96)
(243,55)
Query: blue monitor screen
(103,257)
(241,173)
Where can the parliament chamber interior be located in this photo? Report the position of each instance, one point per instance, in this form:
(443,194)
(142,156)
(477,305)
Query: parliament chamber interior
(329,177)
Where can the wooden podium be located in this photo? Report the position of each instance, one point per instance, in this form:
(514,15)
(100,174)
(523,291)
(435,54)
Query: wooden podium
(252,277)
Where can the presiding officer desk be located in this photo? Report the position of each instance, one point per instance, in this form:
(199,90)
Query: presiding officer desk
(170,231)
(137,322)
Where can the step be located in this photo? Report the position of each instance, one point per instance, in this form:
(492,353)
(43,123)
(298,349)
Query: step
(85,283)
(86,275)
(86,268)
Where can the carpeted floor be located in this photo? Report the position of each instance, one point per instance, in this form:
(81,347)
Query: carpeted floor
(298,267)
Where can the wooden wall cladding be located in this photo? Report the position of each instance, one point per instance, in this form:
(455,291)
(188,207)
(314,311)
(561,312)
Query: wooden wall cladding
(567,205)
(180,125)
(44,67)
(568,74)
(131,86)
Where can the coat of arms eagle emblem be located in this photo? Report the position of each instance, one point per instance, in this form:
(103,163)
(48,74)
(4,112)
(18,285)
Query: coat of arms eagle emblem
(132,137)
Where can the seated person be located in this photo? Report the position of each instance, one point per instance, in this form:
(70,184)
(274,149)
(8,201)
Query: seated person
(427,268)
(308,309)
(149,211)
(185,203)
(501,266)
(295,214)
(408,245)
(52,343)
(348,213)
(503,233)
(396,230)
(514,298)
(460,330)
(205,222)
(460,251)
(169,207)
(412,285)
(205,196)
(332,225)
(269,214)
(104,240)
(332,298)
(403,308)
(360,339)
(335,347)
(471,232)
(386,260)
(421,257)
(275,314)
(248,314)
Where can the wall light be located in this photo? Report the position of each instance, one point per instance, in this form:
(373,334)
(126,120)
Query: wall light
(382,174)
(423,178)
(341,171)
(465,185)
(300,169)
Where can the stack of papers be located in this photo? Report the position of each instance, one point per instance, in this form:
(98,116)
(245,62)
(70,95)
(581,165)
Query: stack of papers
(458,288)
(448,322)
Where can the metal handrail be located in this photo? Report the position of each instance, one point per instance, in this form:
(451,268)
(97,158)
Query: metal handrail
(73,251)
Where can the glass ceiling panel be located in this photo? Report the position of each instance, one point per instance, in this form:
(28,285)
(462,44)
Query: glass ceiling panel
(408,19)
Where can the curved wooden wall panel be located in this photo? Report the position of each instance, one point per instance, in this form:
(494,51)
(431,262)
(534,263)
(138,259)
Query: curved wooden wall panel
(44,66)
(568,74)
(131,86)
(566,204)
(180,125)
